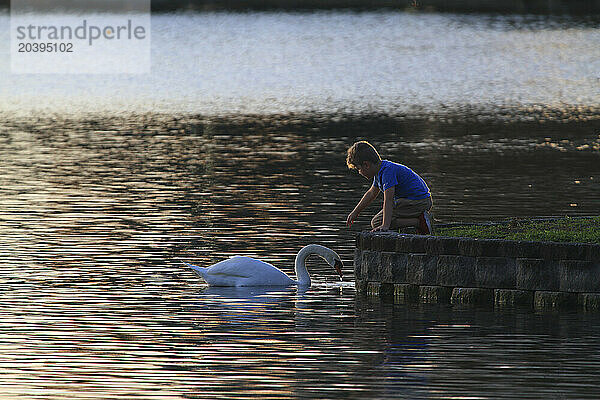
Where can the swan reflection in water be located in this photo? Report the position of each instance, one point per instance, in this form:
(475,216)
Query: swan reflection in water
(254,306)
(253,294)
(249,307)
(270,294)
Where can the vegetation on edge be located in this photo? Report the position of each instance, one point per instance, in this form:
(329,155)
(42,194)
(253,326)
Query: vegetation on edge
(578,230)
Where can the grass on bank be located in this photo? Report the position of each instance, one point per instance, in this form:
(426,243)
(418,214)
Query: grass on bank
(577,230)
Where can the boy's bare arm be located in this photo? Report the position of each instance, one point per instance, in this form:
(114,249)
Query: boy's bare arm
(367,198)
(388,209)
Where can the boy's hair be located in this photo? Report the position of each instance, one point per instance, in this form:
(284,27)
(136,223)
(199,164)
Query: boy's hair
(360,152)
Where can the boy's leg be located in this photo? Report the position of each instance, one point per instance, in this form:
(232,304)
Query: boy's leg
(377,220)
(410,212)
(397,223)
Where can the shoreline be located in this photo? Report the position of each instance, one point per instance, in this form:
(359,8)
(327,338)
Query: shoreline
(467,113)
(535,7)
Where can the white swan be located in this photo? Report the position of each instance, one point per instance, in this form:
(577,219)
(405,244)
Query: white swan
(248,271)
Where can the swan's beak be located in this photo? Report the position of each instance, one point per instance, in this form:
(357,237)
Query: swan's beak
(338,267)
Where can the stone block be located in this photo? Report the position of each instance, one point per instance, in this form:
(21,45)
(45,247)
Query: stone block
(357,264)
(480,247)
(593,253)
(410,243)
(472,296)
(393,267)
(455,271)
(536,274)
(503,248)
(577,251)
(405,293)
(589,301)
(509,249)
(421,269)
(377,242)
(543,299)
(511,297)
(403,243)
(468,247)
(385,269)
(361,286)
(495,272)
(520,249)
(552,251)
(386,292)
(442,245)
(579,276)
(384,242)
(364,240)
(563,251)
(370,265)
(359,240)
(373,289)
(383,291)
(435,294)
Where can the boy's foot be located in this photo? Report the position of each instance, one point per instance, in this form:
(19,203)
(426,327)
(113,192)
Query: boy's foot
(425,227)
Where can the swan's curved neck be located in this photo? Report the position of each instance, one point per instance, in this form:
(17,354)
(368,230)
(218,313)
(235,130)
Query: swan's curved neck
(302,276)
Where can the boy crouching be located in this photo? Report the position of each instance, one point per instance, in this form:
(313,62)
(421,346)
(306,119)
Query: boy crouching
(406,196)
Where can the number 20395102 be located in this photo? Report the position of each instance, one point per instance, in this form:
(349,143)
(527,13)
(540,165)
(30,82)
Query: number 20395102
(45,47)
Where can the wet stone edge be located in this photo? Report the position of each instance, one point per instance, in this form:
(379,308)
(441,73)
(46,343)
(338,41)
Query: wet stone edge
(407,268)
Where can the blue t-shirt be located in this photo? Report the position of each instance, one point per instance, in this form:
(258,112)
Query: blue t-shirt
(408,184)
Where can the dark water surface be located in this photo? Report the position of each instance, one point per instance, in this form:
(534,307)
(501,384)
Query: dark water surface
(95,214)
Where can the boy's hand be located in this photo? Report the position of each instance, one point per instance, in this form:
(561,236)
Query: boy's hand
(381,228)
(350,219)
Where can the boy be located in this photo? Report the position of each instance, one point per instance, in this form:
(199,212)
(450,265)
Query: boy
(406,197)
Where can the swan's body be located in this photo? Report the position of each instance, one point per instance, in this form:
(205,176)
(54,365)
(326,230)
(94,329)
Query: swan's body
(248,271)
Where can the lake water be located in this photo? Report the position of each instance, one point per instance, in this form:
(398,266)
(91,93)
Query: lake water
(389,62)
(107,182)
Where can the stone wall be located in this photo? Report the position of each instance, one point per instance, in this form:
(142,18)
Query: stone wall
(411,268)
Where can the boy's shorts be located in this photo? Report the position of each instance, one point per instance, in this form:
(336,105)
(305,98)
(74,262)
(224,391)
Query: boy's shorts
(404,208)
